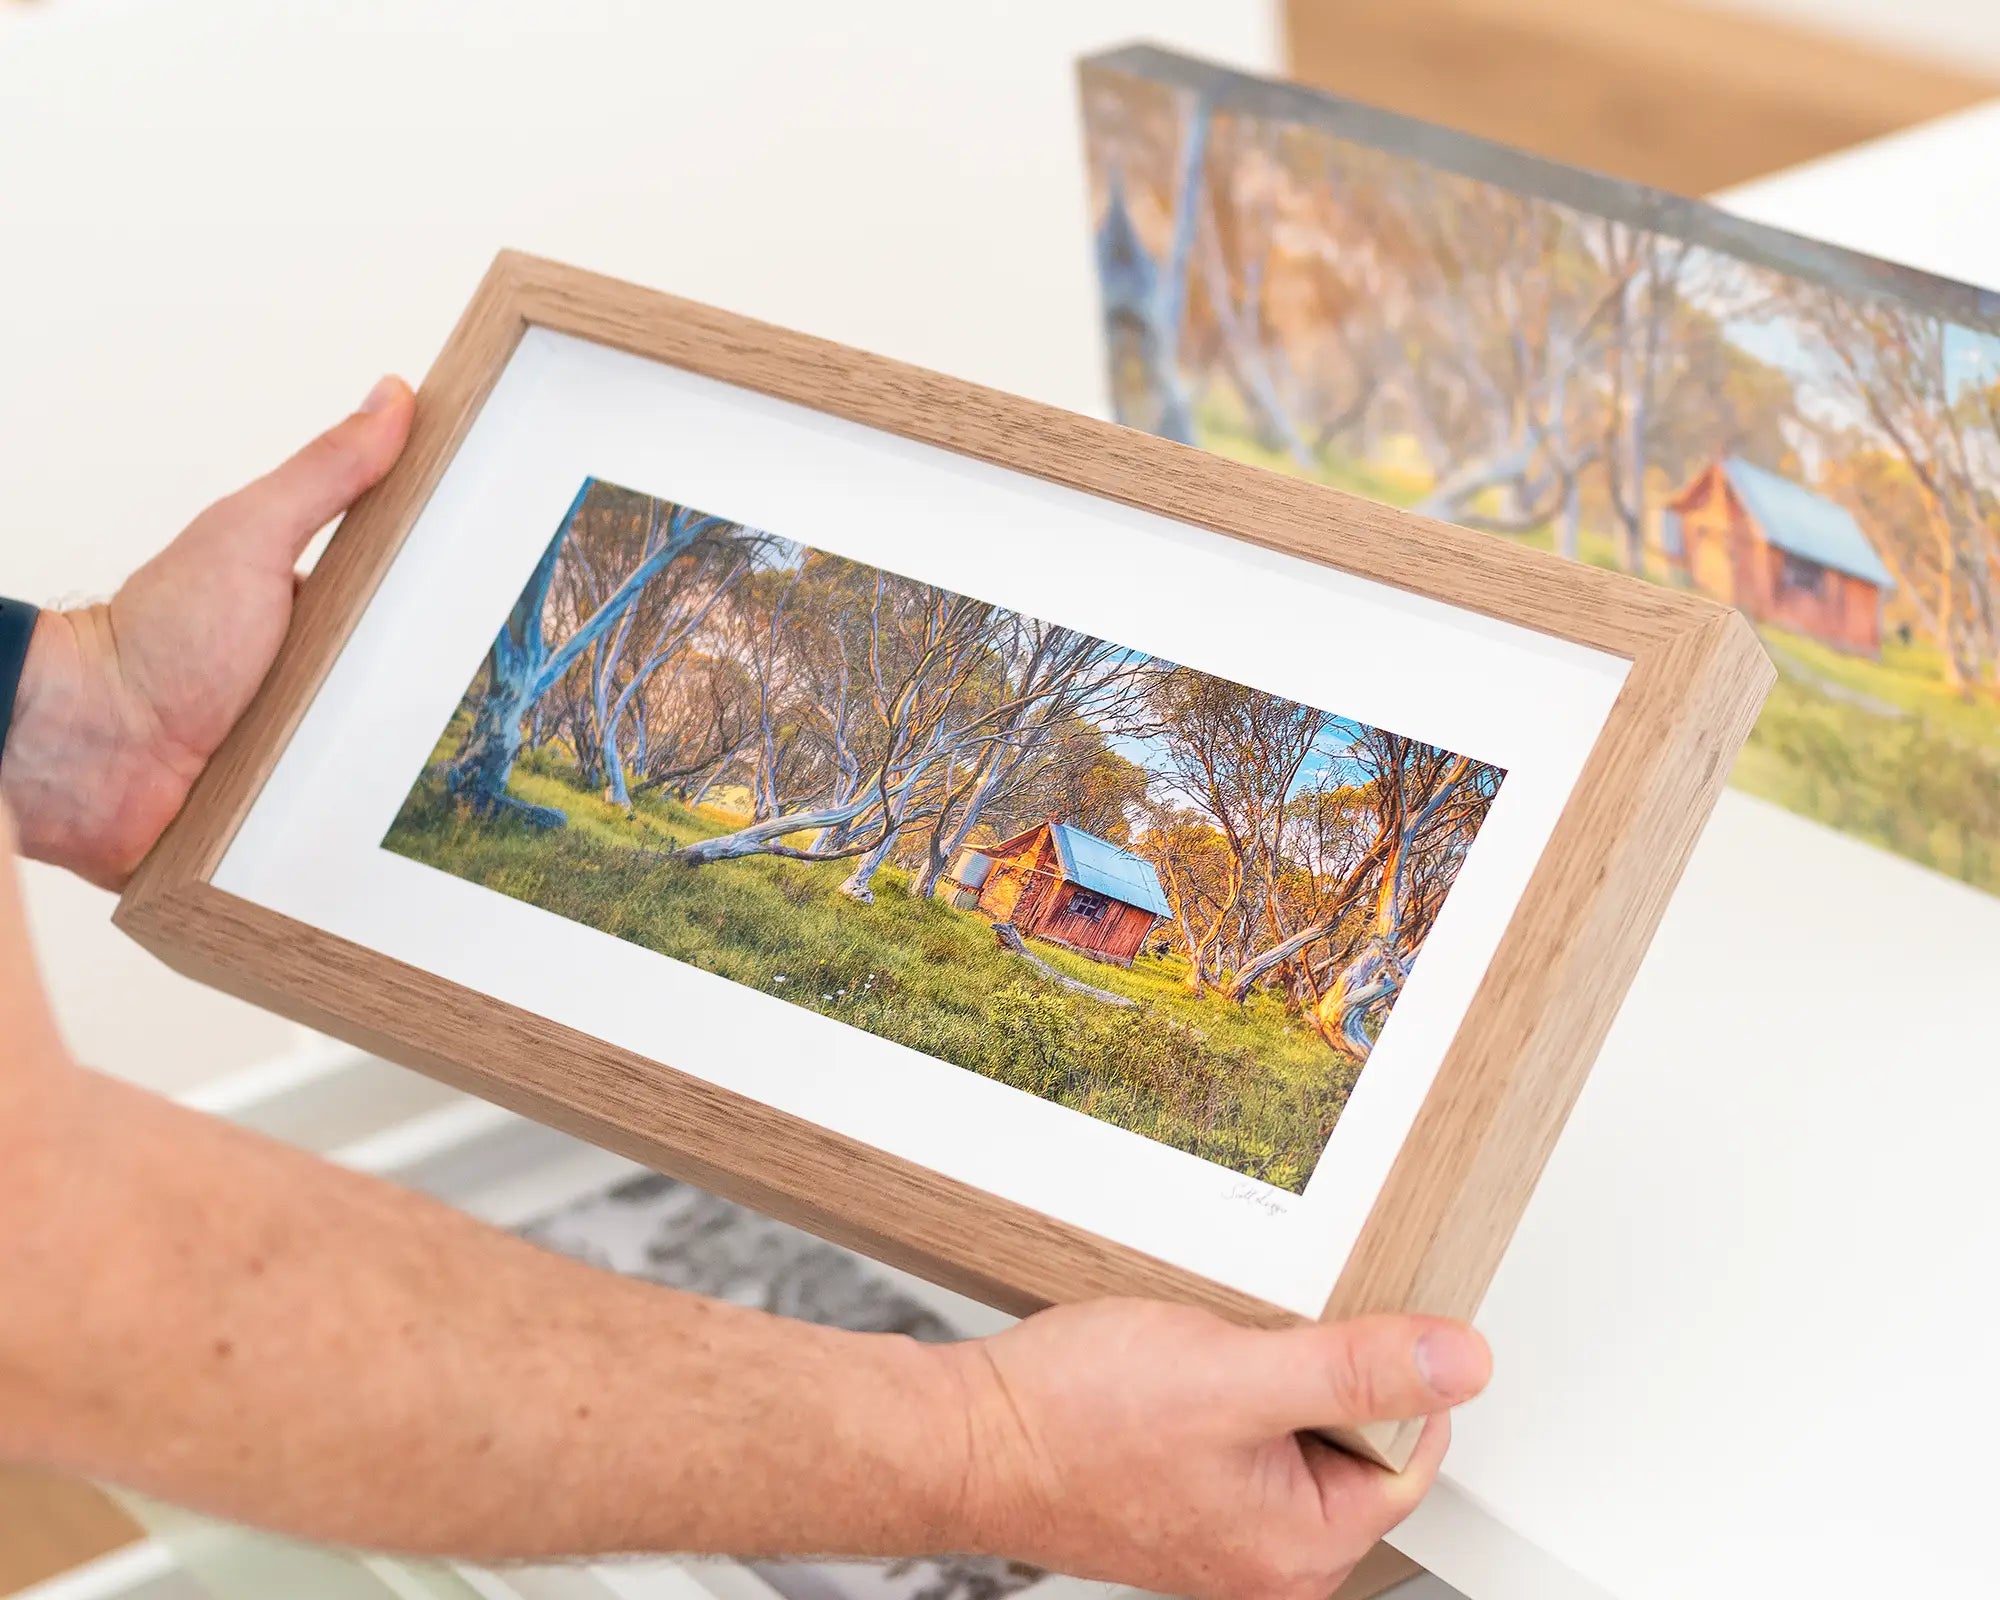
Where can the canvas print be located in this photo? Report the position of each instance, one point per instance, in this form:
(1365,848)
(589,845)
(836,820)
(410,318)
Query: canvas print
(1587,367)
(1163,899)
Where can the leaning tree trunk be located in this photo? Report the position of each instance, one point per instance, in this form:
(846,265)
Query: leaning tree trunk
(1176,417)
(924,887)
(478,773)
(1242,347)
(1146,299)
(895,808)
(1344,899)
(1373,972)
(610,764)
(860,882)
(521,667)
(714,776)
(1569,535)
(1376,973)
(1201,961)
(762,838)
(487,757)
(615,789)
(834,838)
(1369,980)
(478,776)
(1452,493)
(1251,971)
(939,853)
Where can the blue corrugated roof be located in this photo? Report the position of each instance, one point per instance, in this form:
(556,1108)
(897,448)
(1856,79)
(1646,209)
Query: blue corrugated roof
(1795,519)
(1101,866)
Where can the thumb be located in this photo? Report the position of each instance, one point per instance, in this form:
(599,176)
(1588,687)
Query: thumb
(279,513)
(1372,1369)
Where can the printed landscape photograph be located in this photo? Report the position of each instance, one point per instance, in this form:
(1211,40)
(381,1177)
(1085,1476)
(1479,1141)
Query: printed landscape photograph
(1168,901)
(1800,433)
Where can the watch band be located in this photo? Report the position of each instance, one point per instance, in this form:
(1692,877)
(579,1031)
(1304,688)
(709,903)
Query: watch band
(17,627)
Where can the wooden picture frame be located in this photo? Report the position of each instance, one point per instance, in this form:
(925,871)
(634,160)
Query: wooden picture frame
(1436,1229)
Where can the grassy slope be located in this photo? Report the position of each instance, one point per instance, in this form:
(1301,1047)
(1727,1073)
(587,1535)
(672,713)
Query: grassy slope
(1246,1087)
(1926,785)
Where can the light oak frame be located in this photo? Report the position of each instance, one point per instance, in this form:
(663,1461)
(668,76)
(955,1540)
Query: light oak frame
(1437,1230)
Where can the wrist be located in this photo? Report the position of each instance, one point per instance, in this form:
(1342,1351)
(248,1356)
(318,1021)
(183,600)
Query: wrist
(37,773)
(794,1439)
(901,1467)
(914,1438)
(1000,1499)
(73,760)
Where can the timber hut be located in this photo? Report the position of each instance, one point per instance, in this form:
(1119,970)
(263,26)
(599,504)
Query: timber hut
(1779,553)
(1071,888)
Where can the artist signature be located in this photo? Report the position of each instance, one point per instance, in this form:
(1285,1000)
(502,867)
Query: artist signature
(1255,1194)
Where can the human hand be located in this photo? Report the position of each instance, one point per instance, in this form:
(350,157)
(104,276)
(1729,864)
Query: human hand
(122,704)
(1159,1446)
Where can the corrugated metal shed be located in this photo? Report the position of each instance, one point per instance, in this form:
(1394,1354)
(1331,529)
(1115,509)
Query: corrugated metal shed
(972,867)
(1101,866)
(1796,520)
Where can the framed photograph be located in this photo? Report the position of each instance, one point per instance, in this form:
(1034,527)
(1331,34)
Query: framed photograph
(1634,381)
(1035,854)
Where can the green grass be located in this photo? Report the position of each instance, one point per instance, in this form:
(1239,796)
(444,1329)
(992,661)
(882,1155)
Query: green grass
(1248,1087)
(1921,786)
(1909,676)
(1594,548)
(1391,484)
(1395,481)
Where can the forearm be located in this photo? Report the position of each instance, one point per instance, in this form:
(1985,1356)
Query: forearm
(227,1323)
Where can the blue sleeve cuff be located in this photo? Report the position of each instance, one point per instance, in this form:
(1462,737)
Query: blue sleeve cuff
(17,627)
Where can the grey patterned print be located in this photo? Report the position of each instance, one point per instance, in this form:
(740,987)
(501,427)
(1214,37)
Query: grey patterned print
(674,1234)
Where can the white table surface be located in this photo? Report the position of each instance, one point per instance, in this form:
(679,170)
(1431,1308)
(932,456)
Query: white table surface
(1743,1332)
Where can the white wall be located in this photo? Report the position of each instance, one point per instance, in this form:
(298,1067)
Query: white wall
(1965,33)
(223,218)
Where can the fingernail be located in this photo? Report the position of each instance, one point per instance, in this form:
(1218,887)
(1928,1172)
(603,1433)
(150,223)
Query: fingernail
(1454,1362)
(379,397)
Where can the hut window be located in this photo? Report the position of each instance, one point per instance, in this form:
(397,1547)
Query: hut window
(1799,576)
(1083,903)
